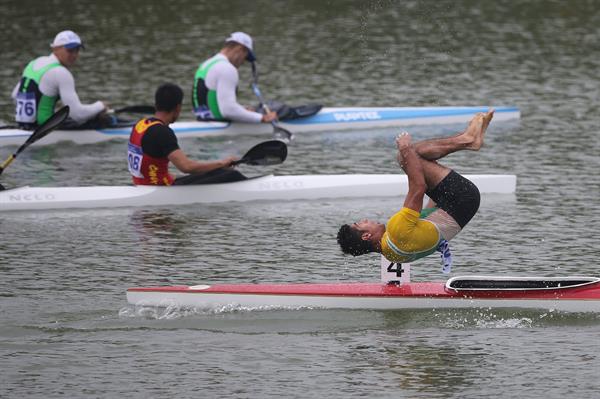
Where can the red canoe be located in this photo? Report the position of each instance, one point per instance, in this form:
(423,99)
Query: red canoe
(573,294)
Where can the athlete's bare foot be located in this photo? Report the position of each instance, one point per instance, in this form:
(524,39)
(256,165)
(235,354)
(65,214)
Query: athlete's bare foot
(470,136)
(473,135)
(487,118)
(403,141)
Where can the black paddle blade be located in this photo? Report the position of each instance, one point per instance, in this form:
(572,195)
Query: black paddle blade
(272,152)
(52,123)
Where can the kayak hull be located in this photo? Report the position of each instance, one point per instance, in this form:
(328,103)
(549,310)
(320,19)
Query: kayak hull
(413,295)
(328,119)
(262,188)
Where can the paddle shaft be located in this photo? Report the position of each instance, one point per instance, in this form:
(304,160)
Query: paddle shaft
(41,131)
(279,132)
(7,162)
(264,105)
(19,150)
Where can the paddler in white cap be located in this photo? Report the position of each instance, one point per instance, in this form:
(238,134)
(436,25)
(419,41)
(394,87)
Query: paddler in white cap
(215,84)
(46,80)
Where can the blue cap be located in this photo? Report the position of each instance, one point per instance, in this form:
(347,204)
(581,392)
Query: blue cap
(67,39)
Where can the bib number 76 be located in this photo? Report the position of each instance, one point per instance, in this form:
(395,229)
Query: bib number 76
(26,108)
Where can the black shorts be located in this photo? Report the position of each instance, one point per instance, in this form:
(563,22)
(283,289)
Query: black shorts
(458,196)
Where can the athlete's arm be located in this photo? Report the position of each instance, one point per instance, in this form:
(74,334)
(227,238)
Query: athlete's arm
(226,85)
(59,81)
(186,165)
(411,164)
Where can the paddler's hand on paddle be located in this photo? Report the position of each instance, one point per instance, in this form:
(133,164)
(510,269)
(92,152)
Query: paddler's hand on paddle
(107,117)
(269,117)
(229,161)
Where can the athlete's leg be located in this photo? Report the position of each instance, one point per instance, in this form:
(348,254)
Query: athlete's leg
(412,164)
(456,196)
(470,139)
(422,173)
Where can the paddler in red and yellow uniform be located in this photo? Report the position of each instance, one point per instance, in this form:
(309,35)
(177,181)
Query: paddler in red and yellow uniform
(413,233)
(153,145)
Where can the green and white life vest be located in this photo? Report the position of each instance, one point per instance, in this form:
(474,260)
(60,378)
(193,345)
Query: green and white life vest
(204,100)
(34,107)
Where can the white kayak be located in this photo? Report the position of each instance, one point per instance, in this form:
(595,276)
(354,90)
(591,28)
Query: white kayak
(327,119)
(259,188)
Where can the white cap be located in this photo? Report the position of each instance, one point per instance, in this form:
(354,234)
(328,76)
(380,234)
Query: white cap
(245,40)
(67,39)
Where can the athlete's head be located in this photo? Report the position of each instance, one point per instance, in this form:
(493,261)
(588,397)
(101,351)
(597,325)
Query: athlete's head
(355,241)
(66,46)
(168,98)
(239,48)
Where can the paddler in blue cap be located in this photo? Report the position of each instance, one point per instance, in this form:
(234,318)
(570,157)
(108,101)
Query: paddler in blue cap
(215,84)
(48,79)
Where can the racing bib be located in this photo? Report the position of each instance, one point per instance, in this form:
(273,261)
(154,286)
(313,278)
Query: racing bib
(204,113)
(26,110)
(134,160)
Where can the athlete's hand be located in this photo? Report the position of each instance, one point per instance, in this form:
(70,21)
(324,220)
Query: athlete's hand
(227,162)
(269,117)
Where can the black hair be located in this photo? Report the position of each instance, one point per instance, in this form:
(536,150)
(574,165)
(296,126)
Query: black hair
(351,241)
(168,96)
